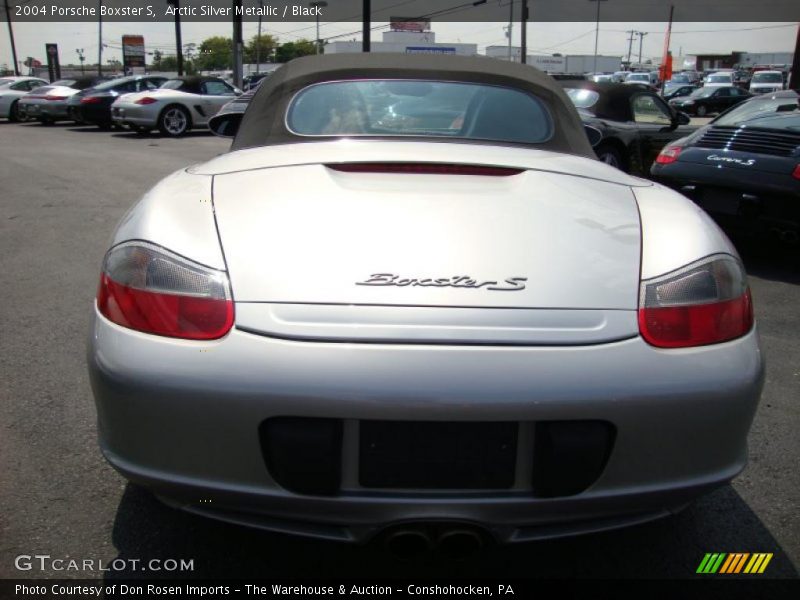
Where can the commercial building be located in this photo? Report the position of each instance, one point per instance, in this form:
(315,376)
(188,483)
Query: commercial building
(406,42)
(557,63)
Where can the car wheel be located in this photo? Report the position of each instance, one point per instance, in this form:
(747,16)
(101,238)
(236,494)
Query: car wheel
(174,121)
(13,114)
(701,111)
(611,156)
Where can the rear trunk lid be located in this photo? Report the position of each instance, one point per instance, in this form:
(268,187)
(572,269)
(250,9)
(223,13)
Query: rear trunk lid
(534,257)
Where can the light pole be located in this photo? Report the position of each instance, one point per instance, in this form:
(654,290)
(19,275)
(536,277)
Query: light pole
(81,58)
(318,4)
(510,27)
(99,38)
(641,37)
(11,37)
(596,33)
(258,39)
(523,36)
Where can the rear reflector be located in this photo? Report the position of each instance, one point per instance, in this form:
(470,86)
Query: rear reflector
(149,289)
(796,172)
(707,302)
(425,169)
(55,98)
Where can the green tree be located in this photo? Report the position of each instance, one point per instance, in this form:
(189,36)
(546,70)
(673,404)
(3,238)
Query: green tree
(266,44)
(216,53)
(290,50)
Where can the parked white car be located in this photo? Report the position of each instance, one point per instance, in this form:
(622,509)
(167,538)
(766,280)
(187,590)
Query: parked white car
(766,81)
(11,90)
(650,78)
(176,107)
(720,79)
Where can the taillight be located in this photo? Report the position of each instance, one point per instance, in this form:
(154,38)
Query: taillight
(668,154)
(706,302)
(796,172)
(145,101)
(424,169)
(90,100)
(149,289)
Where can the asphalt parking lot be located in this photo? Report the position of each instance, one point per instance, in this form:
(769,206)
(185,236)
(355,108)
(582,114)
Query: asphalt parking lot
(63,188)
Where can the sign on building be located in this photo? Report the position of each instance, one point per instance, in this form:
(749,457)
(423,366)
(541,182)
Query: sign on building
(133,51)
(417,24)
(430,50)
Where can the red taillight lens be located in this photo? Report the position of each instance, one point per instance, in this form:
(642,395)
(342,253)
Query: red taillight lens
(424,169)
(149,289)
(668,155)
(796,172)
(54,98)
(145,101)
(90,100)
(707,302)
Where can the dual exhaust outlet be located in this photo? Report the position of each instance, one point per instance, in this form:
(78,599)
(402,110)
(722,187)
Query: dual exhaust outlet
(454,543)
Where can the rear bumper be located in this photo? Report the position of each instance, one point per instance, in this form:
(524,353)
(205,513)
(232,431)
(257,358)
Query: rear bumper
(753,199)
(128,114)
(182,418)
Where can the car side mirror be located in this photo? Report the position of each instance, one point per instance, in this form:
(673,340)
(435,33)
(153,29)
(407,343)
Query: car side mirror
(225,125)
(682,118)
(594,135)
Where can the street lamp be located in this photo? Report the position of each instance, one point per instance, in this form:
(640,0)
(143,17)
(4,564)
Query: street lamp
(258,39)
(596,33)
(318,4)
(81,58)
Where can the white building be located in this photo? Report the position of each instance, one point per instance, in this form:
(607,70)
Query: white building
(406,42)
(584,63)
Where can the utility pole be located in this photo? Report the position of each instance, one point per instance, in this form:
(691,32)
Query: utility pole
(99,38)
(596,33)
(366,17)
(510,27)
(318,4)
(238,44)
(523,41)
(258,39)
(630,45)
(178,42)
(11,37)
(641,35)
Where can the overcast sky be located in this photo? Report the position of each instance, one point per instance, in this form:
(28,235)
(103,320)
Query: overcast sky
(543,38)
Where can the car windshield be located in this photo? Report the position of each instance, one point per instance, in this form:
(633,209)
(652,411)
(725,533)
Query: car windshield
(767,78)
(763,110)
(582,98)
(64,83)
(419,108)
(638,77)
(679,79)
(719,78)
(702,92)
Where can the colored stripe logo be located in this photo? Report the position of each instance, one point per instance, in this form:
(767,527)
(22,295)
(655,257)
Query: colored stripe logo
(734,562)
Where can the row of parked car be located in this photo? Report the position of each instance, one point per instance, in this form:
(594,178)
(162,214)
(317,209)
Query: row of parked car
(141,103)
(746,162)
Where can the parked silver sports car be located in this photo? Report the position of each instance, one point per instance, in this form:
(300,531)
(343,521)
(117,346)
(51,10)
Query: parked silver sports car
(49,103)
(11,90)
(176,107)
(440,320)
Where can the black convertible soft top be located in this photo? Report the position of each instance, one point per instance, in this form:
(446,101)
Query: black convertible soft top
(614,102)
(264,122)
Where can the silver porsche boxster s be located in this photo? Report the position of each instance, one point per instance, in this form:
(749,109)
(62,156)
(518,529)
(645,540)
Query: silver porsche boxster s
(410,302)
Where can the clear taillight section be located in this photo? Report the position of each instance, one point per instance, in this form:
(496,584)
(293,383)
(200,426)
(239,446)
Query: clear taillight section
(150,289)
(706,302)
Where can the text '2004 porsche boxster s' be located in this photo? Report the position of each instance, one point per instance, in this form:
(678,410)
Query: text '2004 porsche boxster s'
(410,300)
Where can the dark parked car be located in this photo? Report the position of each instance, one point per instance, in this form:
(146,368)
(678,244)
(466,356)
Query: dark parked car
(677,91)
(707,100)
(744,166)
(635,122)
(252,80)
(93,105)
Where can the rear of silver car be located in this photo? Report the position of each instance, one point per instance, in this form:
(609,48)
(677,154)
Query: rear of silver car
(367,383)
